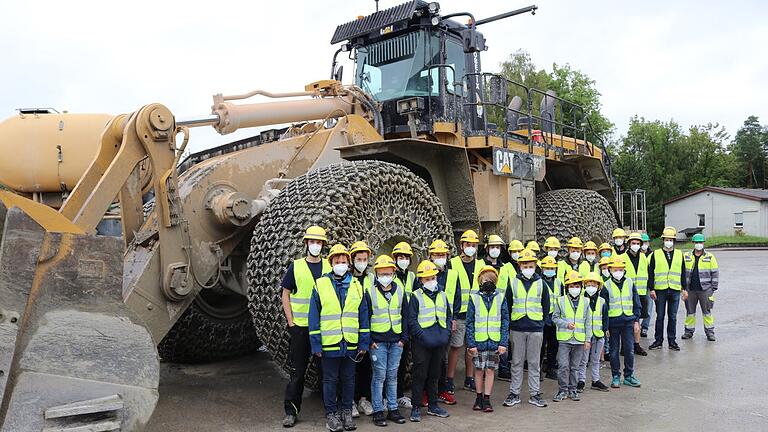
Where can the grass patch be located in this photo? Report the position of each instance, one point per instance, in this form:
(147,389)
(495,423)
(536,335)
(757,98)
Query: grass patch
(719,241)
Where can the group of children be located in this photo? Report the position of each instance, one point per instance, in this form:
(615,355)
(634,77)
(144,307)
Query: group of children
(493,313)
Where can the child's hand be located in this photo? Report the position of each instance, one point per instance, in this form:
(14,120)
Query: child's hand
(587,346)
(571,326)
(502,349)
(473,351)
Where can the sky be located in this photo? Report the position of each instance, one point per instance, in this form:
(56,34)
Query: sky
(692,61)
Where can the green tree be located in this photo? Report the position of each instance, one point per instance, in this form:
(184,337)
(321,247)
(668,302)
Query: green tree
(751,150)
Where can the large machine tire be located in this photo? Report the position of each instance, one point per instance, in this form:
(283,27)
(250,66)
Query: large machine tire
(566,213)
(379,202)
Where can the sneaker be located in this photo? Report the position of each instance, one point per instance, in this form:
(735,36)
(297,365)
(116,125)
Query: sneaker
(379,419)
(644,333)
(560,396)
(405,402)
(395,416)
(415,414)
(511,400)
(551,375)
(365,406)
(711,337)
(333,422)
(580,387)
(674,346)
(346,420)
(616,381)
(469,384)
(639,350)
(574,395)
(505,375)
(450,387)
(487,405)
(537,400)
(355,412)
(478,406)
(446,398)
(655,346)
(598,385)
(687,335)
(631,381)
(289,420)
(437,412)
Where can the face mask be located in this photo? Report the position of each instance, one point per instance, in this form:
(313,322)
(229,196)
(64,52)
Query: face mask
(494,252)
(698,246)
(549,272)
(635,248)
(605,273)
(515,255)
(469,251)
(575,255)
(644,247)
(552,253)
(431,285)
(488,287)
(668,244)
(340,269)
(384,280)
(361,265)
(403,263)
(314,249)
(591,290)
(528,272)
(618,274)
(591,257)
(440,262)
(574,292)
(605,254)
(618,241)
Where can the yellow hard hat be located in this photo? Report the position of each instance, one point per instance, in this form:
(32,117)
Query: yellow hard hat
(548,262)
(617,261)
(359,246)
(384,261)
(593,277)
(669,232)
(402,248)
(619,232)
(575,242)
(469,236)
(315,233)
(635,236)
(439,246)
(573,277)
(494,240)
(590,245)
(552,242)
(605,261)
(532,245)
(527,255)
(426,269)
(604,246)
(338,249)
(488,268)
(515,245)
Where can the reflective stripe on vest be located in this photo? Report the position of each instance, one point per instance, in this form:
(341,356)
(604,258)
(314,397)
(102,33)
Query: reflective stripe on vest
(451,282)
(664,276)
(708,269)
(620,301)
(566,308)
(305,283)
(387,314)
(465,285)
(638,275)
(527,302)
(487,322)
(431,312)
(553,294)
(597,318)
(337,324)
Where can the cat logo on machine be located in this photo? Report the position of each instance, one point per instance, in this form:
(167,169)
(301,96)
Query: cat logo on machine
(386,30)
(510,163)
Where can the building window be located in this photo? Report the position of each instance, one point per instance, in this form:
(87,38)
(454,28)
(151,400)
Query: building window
(739,220)
(701,220)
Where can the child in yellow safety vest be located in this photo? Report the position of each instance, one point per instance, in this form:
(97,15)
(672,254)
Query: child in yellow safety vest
(487,334)
(361,255)
(598,310)
(555,287)
(574,322)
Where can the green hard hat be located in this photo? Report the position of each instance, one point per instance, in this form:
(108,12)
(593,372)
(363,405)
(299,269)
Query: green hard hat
(698,238)
(645,237)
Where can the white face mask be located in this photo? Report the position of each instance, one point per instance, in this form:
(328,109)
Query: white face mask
(430,285)
(669,244)
(440,262)
(698,246)
(384,280)
(552,253)
(635,248)
(361,265)
(590,258)
(591,290)
(403,263)
(574,292)
(618,241)
(340,269)
(528,272)
(644,247)
(575,255)
(617,274)
(494,252)
(315,249)
(470,251)
(515,255)
(605,273)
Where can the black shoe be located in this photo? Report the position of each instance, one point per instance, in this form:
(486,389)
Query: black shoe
(639,350)
(598,385)
(333,422)
(347,421)
(687,335)
(551,375)
(580,387)
(711,337)
(487,405)
(395,416)
(379,419)
(674,346)
(289,420)
(643,333)
(478,406)
(655,346)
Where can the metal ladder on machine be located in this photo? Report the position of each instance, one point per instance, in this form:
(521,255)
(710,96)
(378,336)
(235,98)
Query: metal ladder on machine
(632,210)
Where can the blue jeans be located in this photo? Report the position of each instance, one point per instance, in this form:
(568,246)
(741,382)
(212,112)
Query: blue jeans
(622,336)
(385,360)
(647,321)
(338,370)
(667,303)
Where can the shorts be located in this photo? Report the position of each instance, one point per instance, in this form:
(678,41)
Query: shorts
(644,299)
(486,360)
(458,336)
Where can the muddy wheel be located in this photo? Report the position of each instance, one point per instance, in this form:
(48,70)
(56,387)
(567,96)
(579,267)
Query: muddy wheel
(566,213)
(379,202)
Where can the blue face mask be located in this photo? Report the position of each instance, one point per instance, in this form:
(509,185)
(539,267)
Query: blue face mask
(605,254)
(549,273)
